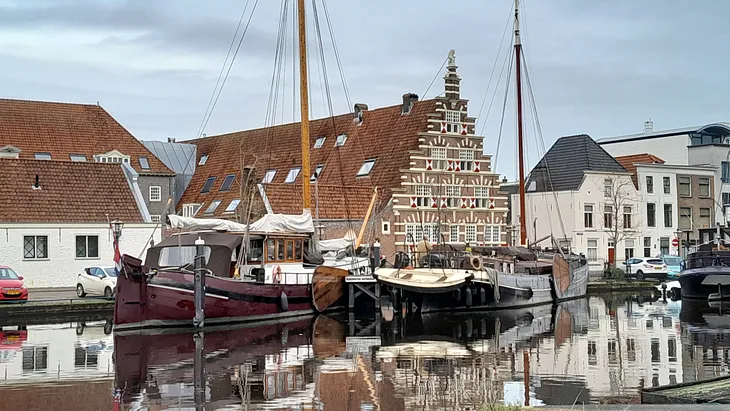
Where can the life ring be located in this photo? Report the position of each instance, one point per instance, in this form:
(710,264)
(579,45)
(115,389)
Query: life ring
(474,262)
(276,275)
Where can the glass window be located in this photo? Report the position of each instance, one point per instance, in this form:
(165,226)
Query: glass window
(649,184)
(144,163)
(78,157)
(607,216)
(366,167)
(704,186)
(454,234)
(685,217)
(298,250)
(269,177)
(42,156)
(592,252)
(726,171)
(155,193)
(588,216)
(175,256)
(471,233)
(608,187)
(292,176)
(232,206)
(647,246)
(627,217)
(289,250)
(203,159)
(227,182)
(208,185)
(651,214)
(341,140)
(438,157)
(667,185)
(35,247)
(271,250)
(668,215)
(212,207)
(685,186)
(87,246)
(280,250)
(705,214)
(317,173)
(319,142)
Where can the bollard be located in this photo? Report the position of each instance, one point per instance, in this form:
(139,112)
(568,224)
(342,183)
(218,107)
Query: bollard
(199,320)
(664,291)
(199,371)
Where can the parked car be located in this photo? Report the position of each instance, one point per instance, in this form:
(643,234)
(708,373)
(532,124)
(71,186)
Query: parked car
(12,288)
(674,265)
(646,267)
(97,281)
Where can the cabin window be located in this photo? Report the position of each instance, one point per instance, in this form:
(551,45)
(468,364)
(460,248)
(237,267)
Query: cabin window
(280,250)
(271,250)
(175,256)
(257,250)
(289,250)
(298,250)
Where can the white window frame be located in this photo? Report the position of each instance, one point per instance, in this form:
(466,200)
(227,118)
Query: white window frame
(453,195)
(146,160)
(418,230)
(212,207)
(232,205)
(423,195)
(78,158)
(470,233)
(482,196)
(585,214)
(385,227)
(269,176)
(466,158)
(341,140)
(493,234)
(438,157)
(366,168)
(189,210)
(42,156)
(592,250)
(35,248)
(155,194)
(317,173)
(203,160)
(608,187)
(319,142)
(454,233)
(86,247)
(293,174)
(453,121)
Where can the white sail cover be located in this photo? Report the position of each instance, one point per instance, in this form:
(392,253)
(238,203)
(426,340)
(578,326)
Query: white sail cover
(270,223)
(336,244)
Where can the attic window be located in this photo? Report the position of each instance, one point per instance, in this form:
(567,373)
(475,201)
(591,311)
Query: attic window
(366,167)
(317,173)
(319,142)
(269,177)
(42,156)
(227,182)
(292,176)
(203,160)
(144,163)
(208,185)
(232,207)
(211,208)
(341,140)
(78,157)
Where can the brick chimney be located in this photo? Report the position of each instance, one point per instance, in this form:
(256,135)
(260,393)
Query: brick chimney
(408,100)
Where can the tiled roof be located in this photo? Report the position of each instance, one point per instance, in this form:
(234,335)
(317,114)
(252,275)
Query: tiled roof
(629,163)
(562,167)
(62,129)
(384,134)
(71,192)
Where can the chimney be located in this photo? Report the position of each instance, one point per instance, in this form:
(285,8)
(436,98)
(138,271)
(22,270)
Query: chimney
(359,109)
(171,140)
(408,100)
(648,126)
(36,185)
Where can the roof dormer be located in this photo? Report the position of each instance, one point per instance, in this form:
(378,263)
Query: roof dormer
(9,152)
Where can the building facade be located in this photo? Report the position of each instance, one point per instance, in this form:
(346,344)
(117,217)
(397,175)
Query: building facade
(419,164)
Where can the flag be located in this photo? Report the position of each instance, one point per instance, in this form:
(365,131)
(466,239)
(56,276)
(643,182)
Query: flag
(117,258)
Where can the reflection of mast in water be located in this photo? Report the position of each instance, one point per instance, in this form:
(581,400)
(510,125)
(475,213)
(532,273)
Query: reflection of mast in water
(199,371)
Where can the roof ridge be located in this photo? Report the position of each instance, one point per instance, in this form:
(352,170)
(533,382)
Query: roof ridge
(65,103)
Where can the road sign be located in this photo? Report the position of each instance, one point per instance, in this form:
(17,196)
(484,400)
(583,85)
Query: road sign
(675,242)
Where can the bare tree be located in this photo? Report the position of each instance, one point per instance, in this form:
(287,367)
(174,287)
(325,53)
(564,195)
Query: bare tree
(620,219)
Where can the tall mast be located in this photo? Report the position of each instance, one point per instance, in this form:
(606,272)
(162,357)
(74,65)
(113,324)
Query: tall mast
(304,97)
(520,142)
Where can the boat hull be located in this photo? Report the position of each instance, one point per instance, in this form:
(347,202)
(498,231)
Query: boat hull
(702,282)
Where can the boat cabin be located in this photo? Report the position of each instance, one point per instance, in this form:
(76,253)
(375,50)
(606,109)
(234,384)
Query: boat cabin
(701,259)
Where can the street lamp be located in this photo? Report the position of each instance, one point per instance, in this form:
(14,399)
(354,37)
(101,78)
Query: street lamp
(117,228)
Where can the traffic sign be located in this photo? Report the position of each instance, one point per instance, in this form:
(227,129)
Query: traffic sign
(675,242)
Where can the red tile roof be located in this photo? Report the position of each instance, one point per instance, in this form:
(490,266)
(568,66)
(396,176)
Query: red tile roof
(62,129)
(629,163)
(70,192)
(384,134)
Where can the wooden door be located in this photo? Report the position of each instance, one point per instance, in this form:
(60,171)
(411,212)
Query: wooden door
(611,255)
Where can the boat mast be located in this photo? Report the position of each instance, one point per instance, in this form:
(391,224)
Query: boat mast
(304,97)
(520,143)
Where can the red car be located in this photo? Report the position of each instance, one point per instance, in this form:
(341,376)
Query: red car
(12,288)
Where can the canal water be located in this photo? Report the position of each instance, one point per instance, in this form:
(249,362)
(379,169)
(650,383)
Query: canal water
(599,349)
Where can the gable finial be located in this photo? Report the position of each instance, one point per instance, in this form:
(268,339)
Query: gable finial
(452,58)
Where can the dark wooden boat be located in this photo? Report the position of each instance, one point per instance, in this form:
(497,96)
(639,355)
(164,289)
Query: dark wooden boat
(706,274)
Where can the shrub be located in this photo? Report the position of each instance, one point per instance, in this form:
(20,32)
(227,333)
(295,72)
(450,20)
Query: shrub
(614,273)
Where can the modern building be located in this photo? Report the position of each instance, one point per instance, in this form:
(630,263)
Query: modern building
(178,157)
(706,145)
(420,163)
(55,217)
(83,133)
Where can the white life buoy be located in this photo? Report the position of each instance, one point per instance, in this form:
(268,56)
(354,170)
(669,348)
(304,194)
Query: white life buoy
(276,276)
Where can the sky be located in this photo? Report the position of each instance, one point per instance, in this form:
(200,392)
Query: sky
(599,68)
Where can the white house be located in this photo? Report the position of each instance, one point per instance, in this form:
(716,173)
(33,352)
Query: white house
(707,145)
(54,217)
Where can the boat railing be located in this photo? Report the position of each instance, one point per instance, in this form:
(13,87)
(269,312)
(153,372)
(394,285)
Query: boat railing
(707,261)
(296,278)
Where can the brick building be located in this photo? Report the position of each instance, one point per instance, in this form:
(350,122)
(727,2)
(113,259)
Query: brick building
(423,157)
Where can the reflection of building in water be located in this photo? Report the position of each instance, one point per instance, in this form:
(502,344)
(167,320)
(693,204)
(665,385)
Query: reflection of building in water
(705,341)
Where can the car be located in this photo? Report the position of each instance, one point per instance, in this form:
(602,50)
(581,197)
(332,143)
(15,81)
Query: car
(674,265)
(12,288)
(97,281)
(646,267)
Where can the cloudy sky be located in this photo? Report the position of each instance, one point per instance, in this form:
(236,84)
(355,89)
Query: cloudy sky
(600,68)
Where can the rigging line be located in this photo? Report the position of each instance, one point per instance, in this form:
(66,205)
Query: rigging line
(494,66)
(423,96)
(285,44)
(223,67)
(507,58)
(542,144)
(504,111)
(337,53)
(294,63)
(233,60)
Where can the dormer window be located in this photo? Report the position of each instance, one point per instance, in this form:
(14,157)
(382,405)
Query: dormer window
(341,140)
(319,142)
(292,176)
(77,157)
(269,177)
(366,167)
(42,156)
(317,173)
(208,185)
(113,156)
(144,163)
(212,207)
(233,205)
(203,159)
(9,152)
(227,182)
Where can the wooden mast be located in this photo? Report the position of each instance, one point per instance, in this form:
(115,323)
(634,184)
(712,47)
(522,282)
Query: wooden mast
(520,142)
(304,97)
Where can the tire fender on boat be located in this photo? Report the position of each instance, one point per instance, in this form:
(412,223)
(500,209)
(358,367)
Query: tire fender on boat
(468,297)
(283,302)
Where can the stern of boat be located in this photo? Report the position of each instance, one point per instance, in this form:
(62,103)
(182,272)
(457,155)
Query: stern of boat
(131,292)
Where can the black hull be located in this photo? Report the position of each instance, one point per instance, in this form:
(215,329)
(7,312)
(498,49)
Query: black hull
(701,282)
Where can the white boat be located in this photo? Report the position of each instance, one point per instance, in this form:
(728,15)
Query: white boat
(424,280)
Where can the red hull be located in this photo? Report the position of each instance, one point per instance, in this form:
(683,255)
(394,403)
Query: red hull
(166,299)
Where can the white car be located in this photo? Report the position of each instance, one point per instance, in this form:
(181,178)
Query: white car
(646,267)
(97,281)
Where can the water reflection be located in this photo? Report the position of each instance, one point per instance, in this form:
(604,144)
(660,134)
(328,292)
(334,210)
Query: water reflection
(583,351)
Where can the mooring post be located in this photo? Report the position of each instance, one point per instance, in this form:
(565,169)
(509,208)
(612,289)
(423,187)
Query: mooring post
(199,371)
(199,320)
(526,372)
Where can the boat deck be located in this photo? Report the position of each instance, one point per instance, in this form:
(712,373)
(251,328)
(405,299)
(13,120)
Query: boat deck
(714,390)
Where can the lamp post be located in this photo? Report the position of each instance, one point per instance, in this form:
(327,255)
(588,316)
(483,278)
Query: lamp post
(117,227)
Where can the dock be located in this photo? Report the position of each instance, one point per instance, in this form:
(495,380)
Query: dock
(714,391)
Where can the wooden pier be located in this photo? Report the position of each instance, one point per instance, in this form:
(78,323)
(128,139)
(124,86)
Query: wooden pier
(362,285)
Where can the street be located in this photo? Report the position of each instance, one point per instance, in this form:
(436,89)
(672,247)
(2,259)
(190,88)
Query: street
(45,294)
